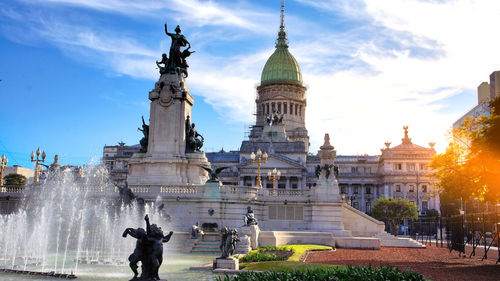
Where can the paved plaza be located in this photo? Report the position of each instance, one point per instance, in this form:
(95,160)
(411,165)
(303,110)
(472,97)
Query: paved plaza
(435,263)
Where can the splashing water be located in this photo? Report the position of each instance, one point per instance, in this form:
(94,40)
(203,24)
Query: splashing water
(70,220)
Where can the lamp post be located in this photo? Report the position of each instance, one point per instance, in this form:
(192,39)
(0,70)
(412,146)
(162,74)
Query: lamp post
(37,161)
(258,159)
(3,163)
(274,175)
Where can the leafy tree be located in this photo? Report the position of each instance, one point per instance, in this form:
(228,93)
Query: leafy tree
(470,167)
(432,213)
(394,211)
(14,179)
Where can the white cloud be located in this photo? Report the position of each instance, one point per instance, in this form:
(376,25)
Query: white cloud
(365,83)
(362,110)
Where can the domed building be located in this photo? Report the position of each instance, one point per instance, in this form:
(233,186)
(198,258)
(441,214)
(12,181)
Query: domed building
(280,131)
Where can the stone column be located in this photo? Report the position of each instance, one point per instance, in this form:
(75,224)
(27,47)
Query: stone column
(386,190)
(362,204)
(253,181)
(287,182)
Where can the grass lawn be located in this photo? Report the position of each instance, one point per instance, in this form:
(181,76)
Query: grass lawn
(282,265)
(293,262)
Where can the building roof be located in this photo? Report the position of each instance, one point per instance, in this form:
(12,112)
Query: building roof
(281,67)
(222,156)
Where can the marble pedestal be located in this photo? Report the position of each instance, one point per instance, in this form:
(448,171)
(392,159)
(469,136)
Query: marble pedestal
(229,263)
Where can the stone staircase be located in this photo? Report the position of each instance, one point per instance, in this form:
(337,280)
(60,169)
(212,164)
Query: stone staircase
(388,240)
(208,244)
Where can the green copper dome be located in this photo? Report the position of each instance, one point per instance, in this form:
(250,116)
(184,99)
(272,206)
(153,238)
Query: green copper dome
(281,67)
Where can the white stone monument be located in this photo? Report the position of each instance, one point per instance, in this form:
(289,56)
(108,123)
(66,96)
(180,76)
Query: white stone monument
(166,161)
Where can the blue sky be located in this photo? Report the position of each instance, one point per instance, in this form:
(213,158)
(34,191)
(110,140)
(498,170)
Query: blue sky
(76,73)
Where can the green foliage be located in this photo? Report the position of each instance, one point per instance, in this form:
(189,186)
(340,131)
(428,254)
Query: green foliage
(432,213)
(394,211)
(258,257)
(348,273)
(14,179)
(470,167)
(297,251)
(282,265)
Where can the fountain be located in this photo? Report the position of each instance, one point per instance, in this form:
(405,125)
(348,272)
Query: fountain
(71,225)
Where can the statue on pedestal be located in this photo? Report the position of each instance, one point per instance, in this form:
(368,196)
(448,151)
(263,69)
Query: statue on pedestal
(250,217)
(177,58)
(194,141)
(148,250)
(144,140)
(229,237)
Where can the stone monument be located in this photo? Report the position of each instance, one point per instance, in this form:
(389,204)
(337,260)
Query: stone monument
(249,233)
(171,146)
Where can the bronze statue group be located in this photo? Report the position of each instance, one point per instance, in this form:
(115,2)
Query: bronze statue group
(148,250)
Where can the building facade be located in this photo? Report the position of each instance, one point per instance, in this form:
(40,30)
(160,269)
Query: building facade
(280,131)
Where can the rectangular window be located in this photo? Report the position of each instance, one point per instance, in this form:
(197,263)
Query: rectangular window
(368,206)
(279,107)
(300,110)
(342,189)
(411,188)
(398,188)
(286,213)
(296,108)
(424,188)
(368,170)
(410,166)
(284,108)
(425,205)
(368,190)
(267,108)
(423,167)
(273,107)
(356,190)
(398,166)
(291,108)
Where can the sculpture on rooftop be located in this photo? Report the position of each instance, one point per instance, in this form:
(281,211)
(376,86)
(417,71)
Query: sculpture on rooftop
(177,63)
(148,250)
(274,118)
(144,140)
(328,169)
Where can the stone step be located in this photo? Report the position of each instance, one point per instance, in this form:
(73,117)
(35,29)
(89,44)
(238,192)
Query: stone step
(388,240)
(205,250)
(208,243)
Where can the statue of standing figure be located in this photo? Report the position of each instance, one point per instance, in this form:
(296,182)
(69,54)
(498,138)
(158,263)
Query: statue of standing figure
(177,59)
(229,237)
(144,140)
(148,250)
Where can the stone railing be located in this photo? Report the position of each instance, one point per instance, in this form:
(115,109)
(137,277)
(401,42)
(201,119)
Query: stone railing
(179,189)
(12,188)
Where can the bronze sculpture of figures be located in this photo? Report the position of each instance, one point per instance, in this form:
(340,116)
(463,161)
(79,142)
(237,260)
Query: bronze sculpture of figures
(177,58)
(327,169)
(229,237)
(250,217)
(144,140)
(274,118)
(194,141)
(148,250)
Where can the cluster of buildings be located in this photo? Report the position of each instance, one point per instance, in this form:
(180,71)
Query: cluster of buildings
(400,171)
